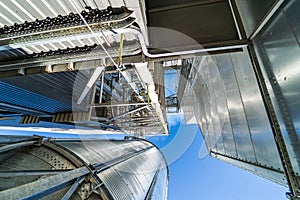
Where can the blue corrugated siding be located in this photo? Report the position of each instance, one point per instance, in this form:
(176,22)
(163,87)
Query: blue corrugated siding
(17,96)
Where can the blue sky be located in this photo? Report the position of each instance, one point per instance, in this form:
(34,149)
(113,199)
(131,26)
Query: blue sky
(193,178)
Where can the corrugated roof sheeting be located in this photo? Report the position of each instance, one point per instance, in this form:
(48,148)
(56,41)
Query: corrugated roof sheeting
(20,97)
(53,92)
(10,54)
(19,11)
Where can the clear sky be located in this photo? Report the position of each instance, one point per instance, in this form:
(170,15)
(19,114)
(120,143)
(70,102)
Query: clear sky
(192,178)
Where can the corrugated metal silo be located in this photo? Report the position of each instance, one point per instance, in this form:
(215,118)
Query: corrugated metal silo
(35,168)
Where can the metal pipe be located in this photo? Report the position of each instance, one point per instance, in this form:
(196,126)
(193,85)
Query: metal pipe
(140,36)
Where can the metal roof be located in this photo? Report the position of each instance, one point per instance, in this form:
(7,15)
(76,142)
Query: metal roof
(18,12)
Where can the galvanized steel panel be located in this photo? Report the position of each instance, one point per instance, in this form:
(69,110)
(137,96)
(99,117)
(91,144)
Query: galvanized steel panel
(160,191)
(236,109)
(253,12)
(218,99)
(257,120)
(130,179)
(101,151)
(278,51)
(137,173)
(232,116)
(201,116)
(227,132)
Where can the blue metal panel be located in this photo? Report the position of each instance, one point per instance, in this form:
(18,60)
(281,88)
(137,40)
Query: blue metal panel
(17,96)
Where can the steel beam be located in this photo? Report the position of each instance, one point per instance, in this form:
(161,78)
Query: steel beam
(117,104)
(90,83)
(43,187)
(129,112)
(73,188)
(31,172)
(235,20)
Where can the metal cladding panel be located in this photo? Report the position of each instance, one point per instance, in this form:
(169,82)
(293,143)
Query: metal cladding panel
(93,152)
(278,51)
(160,191)
(58,87)
(233,119)
(132,178)
(225,127)
(11,54)
(20,97)
(202,103)
(236,109)
(204,21)
(258,124)
(218,95)
(253,12)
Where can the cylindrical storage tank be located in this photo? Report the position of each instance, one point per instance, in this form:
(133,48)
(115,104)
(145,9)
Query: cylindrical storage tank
(37,168)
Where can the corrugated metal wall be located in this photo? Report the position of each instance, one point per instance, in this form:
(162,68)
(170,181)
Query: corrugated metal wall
(130,179)
(108,169)
(48,93)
